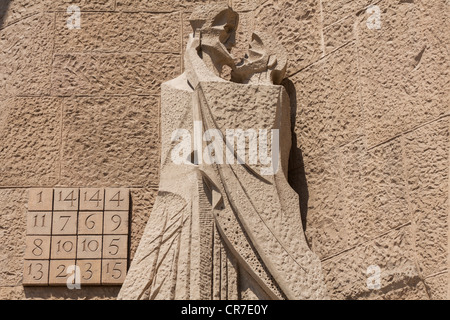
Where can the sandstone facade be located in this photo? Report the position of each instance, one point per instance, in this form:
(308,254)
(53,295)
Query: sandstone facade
(370,117)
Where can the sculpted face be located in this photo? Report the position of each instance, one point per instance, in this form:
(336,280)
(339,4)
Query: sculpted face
(255,61)
(215,27)
(265,62)
(219,38)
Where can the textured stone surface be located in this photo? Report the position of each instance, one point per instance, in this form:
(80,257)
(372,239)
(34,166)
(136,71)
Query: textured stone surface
(335,10)
(346,274)
(26,56)
(338,34)
(85,5)
(246,5)
(14,11)
(371,126)
(122,148)
(113,73)
(142,204)
(384,195)
(30,144)
(12,236)
(297,26)
(438,286)
(428,177)
(13,221)
(337,113)
(159,5)
(120,32)
(403,70)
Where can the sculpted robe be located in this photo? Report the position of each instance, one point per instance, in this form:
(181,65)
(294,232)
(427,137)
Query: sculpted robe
(223,231)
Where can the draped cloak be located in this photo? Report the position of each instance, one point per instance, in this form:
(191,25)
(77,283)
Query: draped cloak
(219,230)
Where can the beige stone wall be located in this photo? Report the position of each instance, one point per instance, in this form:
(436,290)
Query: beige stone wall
(370,113)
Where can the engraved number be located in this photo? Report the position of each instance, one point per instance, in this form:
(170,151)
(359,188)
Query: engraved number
(72,198)
(117,220)
(90,224)
(40,266)
(38,243)
(36,221)
(115,269)
(67,246)
(91,245)
(88,271)
(62,274)
(95,198)
(116,198)
(40,197)
(65,224)
(115,246)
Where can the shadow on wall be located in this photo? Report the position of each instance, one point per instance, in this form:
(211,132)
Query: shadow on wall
(297,176)
(4,5)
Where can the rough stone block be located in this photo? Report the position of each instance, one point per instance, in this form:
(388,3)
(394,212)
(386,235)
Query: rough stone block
(31,134)
(438,286)
(143,200)
(113,73)
(403,68)
(119,32)
(11,270)
(328,112)
(157,5)
(338,34)
(335,10)
(84,5)
(296,24)
(347,276)
(427,174)
(326,227)
(122,148)
(384,195)
(26,56)
(13,11)
(245,5)
(13,222)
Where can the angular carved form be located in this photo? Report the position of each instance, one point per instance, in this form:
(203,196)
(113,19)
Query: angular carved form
(225,229)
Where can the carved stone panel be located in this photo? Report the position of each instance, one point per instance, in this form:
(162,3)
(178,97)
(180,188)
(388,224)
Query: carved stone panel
(77,236)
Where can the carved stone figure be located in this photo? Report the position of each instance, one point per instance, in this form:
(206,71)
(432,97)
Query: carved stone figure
(225,229)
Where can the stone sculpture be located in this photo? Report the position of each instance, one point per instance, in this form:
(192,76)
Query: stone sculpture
(225,230)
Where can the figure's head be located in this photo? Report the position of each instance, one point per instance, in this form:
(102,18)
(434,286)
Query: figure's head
(215,25)
(266,61)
